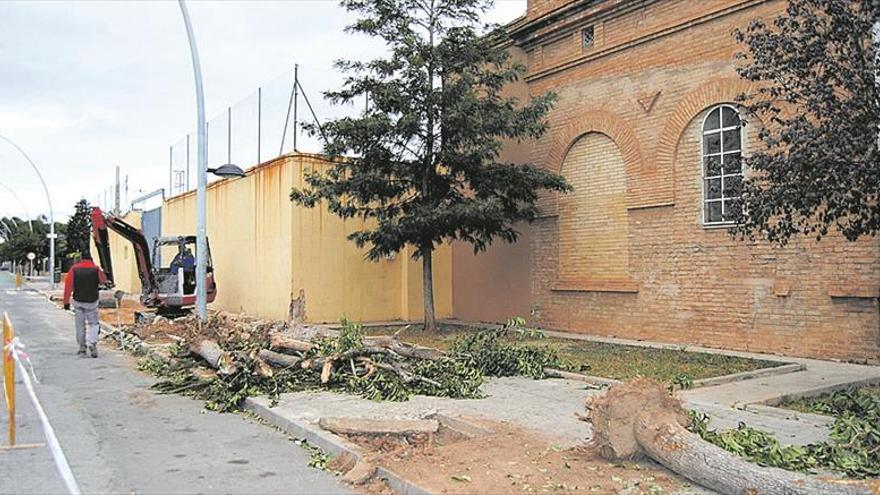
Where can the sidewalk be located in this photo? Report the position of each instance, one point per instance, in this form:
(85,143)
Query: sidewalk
(549,406)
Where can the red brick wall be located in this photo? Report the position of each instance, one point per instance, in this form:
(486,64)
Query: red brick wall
(646,84)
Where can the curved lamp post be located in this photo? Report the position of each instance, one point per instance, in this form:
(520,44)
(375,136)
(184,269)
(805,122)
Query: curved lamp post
(51,234)
(202,167)
(24,206)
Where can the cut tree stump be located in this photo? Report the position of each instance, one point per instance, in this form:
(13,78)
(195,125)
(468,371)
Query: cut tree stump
(640,417)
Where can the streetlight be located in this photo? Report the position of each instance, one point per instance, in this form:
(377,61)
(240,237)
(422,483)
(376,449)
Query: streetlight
(24,206)
(51,234)
(202,168)
(228,170)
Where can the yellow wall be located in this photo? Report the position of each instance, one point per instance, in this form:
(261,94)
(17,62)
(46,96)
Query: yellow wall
(265,249)
(125,273)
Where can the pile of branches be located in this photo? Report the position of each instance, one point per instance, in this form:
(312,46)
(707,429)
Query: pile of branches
(854,449)
(230,358)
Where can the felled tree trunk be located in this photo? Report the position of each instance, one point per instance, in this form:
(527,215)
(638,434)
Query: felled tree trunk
(639,417)
(211,352)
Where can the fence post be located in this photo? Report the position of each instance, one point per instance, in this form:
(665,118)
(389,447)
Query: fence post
(170,168)
(228,134)
(259,120)
(9,375)
(295,102)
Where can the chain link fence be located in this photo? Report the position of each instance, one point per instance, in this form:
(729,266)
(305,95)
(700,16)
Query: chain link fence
(262,126)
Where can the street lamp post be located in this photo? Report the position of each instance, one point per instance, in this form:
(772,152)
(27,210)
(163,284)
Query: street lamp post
(227,170)
(201,171)
(24,206)
(51,235)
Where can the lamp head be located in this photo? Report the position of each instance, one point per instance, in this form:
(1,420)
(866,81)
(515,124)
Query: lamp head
(228,170)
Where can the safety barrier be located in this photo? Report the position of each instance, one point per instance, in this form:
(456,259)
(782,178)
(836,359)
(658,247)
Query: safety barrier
(13,354)
(9,373)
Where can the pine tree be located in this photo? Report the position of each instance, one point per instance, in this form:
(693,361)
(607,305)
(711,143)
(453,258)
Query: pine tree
(421,163)
(79,228)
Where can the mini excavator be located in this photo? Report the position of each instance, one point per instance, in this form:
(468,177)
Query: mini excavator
(169,290)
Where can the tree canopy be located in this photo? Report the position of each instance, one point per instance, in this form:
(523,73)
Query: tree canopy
(79,228)
(819,167)
(421,162)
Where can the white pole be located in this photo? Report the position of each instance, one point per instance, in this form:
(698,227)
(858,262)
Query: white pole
(51,235)
(202,168)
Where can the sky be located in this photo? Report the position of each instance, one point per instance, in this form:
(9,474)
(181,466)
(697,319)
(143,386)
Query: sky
(89,86)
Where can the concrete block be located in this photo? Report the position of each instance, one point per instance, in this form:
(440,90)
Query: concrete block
(363,426)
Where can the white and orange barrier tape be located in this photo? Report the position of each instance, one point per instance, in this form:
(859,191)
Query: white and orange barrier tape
(13,352)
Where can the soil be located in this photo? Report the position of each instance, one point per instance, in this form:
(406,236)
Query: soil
(123,315)
(510,460)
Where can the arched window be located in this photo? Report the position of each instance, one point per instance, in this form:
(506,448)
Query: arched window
(722,168)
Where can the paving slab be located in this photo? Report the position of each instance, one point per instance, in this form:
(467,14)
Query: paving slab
(546,406)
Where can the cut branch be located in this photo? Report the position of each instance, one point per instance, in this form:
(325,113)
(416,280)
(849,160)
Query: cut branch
(278,359)
(218,359)
(283,343)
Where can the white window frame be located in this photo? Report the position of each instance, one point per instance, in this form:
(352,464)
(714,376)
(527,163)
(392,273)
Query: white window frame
(704,178)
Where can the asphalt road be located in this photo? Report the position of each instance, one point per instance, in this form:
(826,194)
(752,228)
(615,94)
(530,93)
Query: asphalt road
(120,437)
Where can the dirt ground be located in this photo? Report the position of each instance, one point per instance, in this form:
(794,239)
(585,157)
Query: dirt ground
(511,460)
(123,315)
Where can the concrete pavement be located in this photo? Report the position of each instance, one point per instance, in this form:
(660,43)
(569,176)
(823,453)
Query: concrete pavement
(549,406)
(119,436)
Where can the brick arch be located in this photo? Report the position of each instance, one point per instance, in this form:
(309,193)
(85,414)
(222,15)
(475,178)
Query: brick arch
(602,122)
(706,95)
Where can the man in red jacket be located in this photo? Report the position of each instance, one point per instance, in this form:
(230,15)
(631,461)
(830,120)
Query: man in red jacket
(83,279)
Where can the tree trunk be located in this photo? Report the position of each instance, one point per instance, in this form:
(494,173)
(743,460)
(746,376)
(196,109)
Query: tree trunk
(428,286)
(639,417)
(670,444)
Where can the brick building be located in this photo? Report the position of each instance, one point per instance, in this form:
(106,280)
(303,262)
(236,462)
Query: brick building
(646,130)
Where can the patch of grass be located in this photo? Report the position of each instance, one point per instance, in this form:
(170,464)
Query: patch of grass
(607,360)
(833,404)
(854,448)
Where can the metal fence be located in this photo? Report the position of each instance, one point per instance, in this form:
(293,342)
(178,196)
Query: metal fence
(264,125)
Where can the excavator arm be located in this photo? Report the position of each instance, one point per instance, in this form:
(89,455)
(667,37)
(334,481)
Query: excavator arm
(101,224)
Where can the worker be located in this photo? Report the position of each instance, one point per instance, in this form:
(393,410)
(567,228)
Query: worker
(184,259)
(83,279)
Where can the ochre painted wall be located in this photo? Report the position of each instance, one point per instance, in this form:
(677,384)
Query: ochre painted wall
(125,273)
(265,250)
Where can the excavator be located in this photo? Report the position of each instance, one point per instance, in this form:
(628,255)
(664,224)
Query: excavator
(169,290)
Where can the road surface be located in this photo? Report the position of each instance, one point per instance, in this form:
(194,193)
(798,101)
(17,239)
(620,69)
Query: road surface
(120,437)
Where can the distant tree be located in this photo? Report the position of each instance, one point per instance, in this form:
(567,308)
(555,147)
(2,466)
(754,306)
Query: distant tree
(421,163)
(79,228)
(22,237)
(819,169)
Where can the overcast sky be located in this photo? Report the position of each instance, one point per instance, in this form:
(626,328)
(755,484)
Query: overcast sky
(87,86)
